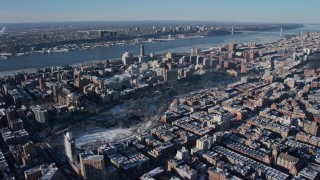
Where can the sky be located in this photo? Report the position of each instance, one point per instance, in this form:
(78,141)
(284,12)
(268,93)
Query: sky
(282,11)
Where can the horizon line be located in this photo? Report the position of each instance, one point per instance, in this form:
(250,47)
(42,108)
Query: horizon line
(200,21)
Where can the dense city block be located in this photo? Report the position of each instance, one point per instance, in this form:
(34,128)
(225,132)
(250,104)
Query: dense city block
(238,111)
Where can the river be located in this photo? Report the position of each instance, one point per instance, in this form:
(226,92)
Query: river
(29,62)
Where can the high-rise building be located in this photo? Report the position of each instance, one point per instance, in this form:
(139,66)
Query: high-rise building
(183,154)
(160,72)
(11,114)
(195,51)
(15,125)
(207,63)
(92,166)
(29,149)
(164,29)
(69,146)
(171,76)
(193,60)
(252,44)
(40,114)
(170,55)
(42,83)
(243,68)
(251,55)
(142,50)
(142,57)
(107,63)
(199,60)
(204,142)
(127,58)
(232,47)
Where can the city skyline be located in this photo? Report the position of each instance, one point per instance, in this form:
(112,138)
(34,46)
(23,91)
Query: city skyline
(285,11)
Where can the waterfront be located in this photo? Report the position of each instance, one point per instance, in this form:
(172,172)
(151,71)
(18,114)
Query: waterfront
(182,45)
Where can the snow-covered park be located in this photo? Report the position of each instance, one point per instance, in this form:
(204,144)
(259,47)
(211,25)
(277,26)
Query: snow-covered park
(119,122)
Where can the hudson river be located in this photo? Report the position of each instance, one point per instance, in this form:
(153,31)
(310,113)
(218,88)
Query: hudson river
(29,62)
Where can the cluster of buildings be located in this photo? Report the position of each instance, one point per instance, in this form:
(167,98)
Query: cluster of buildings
(265,126)
(55,93)
(261,127)
(37,40)
(50,96)
(23,159)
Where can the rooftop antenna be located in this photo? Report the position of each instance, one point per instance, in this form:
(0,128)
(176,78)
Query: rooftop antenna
(281,32)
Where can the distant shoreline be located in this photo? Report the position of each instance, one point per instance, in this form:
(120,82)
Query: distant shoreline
(28,70)
(44,48)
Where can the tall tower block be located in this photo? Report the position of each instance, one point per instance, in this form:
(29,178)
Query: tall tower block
(142,50)
(69,146)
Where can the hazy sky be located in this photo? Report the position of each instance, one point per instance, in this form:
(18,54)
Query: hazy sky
(300,11)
